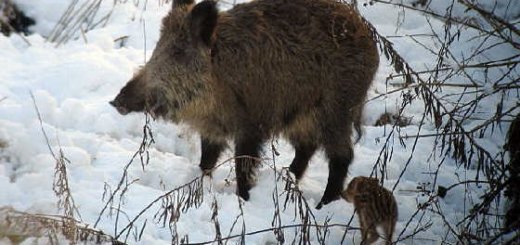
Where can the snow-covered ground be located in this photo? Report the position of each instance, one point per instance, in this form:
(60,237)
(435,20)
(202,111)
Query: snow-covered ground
(73,83)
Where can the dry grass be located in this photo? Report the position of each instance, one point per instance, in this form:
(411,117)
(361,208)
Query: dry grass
(19,226)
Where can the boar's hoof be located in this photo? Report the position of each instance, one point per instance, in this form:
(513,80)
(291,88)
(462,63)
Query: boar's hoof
(297,171)
(327,198)
(243,192)
(319,205)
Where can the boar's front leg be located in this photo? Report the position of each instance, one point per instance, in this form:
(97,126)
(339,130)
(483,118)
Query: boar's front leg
(210,152)
(247,151)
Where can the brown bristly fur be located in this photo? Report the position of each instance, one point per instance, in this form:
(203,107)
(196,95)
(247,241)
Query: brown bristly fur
(375,206)
(299,68)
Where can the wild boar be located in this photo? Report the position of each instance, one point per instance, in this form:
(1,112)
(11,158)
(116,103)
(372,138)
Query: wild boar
(298,68)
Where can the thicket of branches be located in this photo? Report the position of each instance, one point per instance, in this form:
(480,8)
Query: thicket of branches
(454,92)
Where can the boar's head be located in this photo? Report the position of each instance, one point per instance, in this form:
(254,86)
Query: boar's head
(180,67)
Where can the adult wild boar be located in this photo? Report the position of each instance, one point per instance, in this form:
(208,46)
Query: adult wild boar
(300,68)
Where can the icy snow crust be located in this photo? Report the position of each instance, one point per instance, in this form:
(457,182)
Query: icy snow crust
(72,85)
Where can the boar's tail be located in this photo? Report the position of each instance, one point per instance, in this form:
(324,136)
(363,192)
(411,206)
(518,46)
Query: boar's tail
(356,114)
(359,132)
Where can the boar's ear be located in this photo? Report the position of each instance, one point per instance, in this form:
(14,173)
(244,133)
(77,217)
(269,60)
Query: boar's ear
(180,3)
(203,19)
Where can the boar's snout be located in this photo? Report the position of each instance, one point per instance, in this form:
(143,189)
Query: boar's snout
(131,98)
(119,107)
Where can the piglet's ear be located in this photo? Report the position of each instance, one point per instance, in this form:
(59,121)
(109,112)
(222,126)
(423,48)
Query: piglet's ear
(180,3)
(203,19)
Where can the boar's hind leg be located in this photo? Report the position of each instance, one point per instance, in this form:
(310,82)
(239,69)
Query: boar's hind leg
(210,152)
(302,155)
(247,150)
(338,148)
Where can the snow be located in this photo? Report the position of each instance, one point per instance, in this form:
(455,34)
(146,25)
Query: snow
(73,83)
